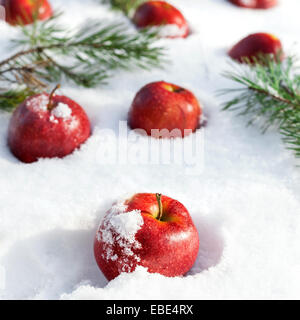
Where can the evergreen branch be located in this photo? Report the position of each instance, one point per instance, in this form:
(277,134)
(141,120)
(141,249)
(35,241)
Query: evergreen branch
(268,93)
(86,57)
(11,98)
(126,6)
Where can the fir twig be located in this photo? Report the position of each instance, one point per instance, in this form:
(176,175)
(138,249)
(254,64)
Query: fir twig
(11,98)
(269,93)
(126,6)
(87,57)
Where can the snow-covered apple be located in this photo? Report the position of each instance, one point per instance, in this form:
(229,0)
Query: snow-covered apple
(23,12)
(161,14)
(255,4)
(148,230)
(161,105)
(47,126)
(255,45)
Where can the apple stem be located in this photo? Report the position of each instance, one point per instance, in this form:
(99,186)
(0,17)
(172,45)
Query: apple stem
(179,90)
(50,105)
(160,207)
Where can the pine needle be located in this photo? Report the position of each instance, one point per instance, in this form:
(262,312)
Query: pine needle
(126,6)
(268,93)
(87,57)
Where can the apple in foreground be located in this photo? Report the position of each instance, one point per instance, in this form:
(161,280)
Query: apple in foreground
(47,126)
(254,46)
(161,105)
(164,15)
(148,230)
(23,12)
(255,4)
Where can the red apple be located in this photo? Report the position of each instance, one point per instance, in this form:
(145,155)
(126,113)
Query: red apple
(23,12)
(161,105)
(147,230)
(47,126)
(255,45)
(162,14)
(255,4)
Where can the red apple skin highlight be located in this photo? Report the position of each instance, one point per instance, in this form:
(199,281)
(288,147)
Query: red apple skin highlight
(23,12)
(256,44)
(32,135)
(161,105)
(255,4)
(159,13)
(168,247)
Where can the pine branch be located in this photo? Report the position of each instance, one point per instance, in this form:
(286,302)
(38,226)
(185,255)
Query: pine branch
(87,57)
(269,93)
(126,6)
(11,98)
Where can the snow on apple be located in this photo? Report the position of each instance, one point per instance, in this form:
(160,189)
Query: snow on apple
(42,127)
(62,110)
(170,30)
(120,226)
(148,230)
(38,103)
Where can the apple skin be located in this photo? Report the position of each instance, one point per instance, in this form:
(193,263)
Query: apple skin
(32,134)
(22,12)
(256,44)
(168,247)
(160,13)
(255,4)
(161,105)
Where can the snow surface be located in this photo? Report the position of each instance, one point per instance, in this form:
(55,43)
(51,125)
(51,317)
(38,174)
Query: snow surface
(245,203)
(170,30)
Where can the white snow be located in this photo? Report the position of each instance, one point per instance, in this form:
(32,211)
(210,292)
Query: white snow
(119,226)
(42,10)
(39,103)
(245,202)
(170,30)
(127,224)
(248,2)
(62,110)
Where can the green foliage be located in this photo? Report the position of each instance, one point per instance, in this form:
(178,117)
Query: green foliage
(40,33)
(269,94)
(87,57)
(126,6)
(11,98)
